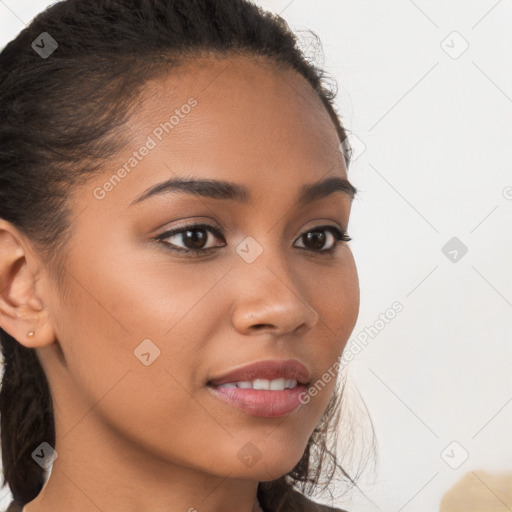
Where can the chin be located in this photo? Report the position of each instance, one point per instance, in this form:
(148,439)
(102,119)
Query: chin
(272,464)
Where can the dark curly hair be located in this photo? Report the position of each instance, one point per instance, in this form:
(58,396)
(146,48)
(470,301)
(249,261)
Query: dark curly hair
(61,117)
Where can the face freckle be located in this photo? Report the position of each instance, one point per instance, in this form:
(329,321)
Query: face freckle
(154,326)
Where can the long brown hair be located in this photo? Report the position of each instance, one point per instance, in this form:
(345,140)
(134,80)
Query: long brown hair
(60,116)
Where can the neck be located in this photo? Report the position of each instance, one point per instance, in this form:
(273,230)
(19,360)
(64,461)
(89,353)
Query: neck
(96,471)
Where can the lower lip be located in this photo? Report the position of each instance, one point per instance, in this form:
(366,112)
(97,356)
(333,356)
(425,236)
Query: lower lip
(263,403)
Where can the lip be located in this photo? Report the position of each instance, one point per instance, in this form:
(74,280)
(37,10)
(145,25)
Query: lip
(259,402)
(269,369)
(262,403)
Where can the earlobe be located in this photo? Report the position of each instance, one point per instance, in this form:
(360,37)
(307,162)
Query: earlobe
(22,313)
(39,336)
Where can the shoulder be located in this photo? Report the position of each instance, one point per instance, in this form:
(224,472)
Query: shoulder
(301,503)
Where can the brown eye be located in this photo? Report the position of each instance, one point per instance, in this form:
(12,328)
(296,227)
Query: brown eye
(194,238)
(316,238)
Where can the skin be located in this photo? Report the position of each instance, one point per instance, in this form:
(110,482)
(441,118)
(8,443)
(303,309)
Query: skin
(132,437)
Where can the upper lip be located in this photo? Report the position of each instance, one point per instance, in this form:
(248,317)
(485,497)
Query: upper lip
(269,369)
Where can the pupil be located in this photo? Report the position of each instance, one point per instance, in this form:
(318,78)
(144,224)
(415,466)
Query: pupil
(317,237)
(195,240)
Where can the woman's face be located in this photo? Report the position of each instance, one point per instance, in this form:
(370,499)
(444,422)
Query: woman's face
(143,327)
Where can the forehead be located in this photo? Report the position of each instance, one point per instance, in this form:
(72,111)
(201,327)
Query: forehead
(234,119)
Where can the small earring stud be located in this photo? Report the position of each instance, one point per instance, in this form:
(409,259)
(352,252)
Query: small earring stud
(31,334)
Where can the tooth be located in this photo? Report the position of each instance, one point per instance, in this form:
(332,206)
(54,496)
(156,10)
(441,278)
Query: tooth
(261,384)
(277,384)
(291,383)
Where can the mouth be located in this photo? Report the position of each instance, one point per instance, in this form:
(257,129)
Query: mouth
(268,370)
(279,384)
(268,389)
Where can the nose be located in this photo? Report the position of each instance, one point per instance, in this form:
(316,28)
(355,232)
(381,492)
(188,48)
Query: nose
(269,297)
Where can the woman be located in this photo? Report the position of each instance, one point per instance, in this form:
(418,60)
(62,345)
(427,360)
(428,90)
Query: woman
(177,288)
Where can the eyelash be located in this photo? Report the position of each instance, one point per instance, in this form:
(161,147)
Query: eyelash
(339,235)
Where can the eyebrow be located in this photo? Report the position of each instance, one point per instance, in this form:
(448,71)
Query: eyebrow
(218,189)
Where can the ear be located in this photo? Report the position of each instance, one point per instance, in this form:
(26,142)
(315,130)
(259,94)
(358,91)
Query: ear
(21,308)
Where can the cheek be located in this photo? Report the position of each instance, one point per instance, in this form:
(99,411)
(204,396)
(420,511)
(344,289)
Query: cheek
(151,404)
(337,301)
(349,299)
(338,307)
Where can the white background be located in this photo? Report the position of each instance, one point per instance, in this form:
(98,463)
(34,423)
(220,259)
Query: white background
(432,131)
